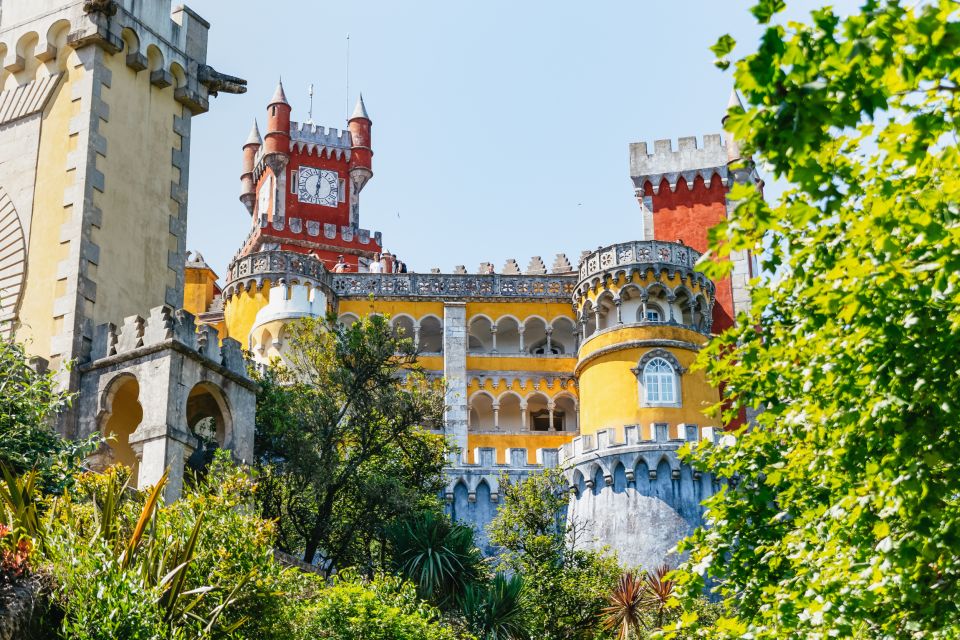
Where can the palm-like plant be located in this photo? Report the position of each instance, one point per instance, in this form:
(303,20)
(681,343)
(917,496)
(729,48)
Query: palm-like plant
(638,603)
(625,614)
(495,611)
(657,591)
(437,555)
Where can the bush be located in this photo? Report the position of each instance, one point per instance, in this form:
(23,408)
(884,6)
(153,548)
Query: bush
(386,608)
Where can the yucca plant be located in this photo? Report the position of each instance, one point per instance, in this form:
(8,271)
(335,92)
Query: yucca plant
(657,592)
(625,615)
(495,611)
(439,556)
(638,603)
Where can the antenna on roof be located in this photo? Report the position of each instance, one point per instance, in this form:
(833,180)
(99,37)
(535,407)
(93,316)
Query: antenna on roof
(310,112)
(346,102)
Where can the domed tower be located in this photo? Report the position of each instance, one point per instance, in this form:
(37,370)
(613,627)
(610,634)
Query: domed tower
(644,313)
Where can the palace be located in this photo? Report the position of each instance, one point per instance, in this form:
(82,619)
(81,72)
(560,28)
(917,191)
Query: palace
(583,364)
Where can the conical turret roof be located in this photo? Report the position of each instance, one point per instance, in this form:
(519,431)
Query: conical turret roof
(279,97)
(254,137)
(360,111)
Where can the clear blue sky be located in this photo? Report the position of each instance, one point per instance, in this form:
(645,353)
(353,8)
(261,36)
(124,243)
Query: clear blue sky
(500,128)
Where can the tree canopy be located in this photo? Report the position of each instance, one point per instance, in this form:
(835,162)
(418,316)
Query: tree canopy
(343,442)
(842,517)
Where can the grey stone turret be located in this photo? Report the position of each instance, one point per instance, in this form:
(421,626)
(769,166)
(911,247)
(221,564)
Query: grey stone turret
(685,163)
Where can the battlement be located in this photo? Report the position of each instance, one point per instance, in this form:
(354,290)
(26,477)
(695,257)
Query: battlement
(314,135)
(685,163)
(322,231)
(487,471)
(166,327)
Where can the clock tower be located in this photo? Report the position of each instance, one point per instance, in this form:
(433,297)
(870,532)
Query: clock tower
(301,184)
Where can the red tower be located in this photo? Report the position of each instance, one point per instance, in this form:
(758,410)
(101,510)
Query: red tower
(683,193)
(302,186)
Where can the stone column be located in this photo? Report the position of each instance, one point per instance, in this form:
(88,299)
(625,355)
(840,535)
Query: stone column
(496,417)
(523,416)
(596,319)
(158,448)
(493,336)
(455,372)
(416,336)
(549,339)
(520,330)
(550,409)
(619,302)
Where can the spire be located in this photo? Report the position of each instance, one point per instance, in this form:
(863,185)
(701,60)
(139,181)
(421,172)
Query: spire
(734,101)
(279,97)
(733,149)
(360,111)
(254,137)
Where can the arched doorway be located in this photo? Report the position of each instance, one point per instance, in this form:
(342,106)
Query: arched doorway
(122,415)
(209,420)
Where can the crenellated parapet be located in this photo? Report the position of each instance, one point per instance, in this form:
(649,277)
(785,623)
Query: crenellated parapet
(473,491)
(166,327)
(170,47)
(669,166)
(637,497)
(312,234)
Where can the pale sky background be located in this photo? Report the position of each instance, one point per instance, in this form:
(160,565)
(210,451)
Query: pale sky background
(500,129)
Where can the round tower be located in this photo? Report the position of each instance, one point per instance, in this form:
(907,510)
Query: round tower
(250,149)
(277,138)
(644,312)
(361,152)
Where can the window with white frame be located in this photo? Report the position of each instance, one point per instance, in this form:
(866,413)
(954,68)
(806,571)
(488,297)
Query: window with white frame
(659,382)
(658,374)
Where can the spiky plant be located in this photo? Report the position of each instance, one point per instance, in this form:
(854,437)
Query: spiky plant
(656,594)
(439,556)
(625,613)
(495,611)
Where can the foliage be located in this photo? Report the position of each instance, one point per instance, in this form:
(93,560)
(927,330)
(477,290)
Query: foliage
(437,555)
(567,587)
(496,611)
(15,549)
(640,603)
(386,608)
(340,448)
(842,518)
(127,566)
(29,402)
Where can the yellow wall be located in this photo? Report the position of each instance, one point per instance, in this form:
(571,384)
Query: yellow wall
(532,363)
(414,309)
(199,289)
(49,214)
(520,310)
(134,238)
(125,415)
(610,391)
(239,312)
(530,441)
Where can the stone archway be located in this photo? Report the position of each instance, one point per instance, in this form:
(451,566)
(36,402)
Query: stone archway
(121,414)
(208,419)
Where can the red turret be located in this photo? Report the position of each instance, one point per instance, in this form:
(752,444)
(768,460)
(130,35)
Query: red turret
(361,154)
(277,140)
(247,186)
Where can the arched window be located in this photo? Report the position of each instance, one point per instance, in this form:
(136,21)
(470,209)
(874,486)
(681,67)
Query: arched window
(653,315)
(659,382)
(658,376)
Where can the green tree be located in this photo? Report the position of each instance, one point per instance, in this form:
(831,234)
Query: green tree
(29,403)
(842,517)
(567,587)
(342,447)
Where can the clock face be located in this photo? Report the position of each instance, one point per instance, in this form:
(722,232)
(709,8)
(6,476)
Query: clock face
(318,186)
(265,197)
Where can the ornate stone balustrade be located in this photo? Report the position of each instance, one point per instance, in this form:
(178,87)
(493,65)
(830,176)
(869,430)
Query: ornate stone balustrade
(640,253)
(552,288)
(275,266)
